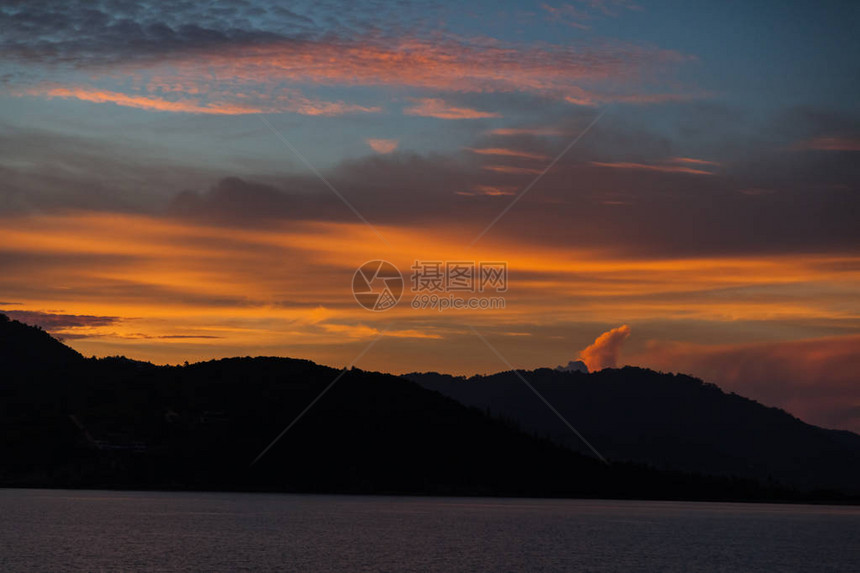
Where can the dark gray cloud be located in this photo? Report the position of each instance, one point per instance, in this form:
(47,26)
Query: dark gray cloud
(44,170)
(236,200)
(54,321)
(142,336)
(758,198)
(764,194)
(82,33)
(92,33)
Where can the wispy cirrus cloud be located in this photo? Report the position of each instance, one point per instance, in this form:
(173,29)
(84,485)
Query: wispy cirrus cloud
(363,331)
(504,152)
(444,62)
(580,13)
(568,15)
(650,167)
(201,56)
(141,102)
(537,131)
(513,169)
(693,161)
(292,102)
(490,190)
(438,108)
(830,143)
(448,63)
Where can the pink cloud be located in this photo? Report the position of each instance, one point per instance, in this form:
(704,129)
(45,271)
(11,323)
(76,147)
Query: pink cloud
(508,153)
(445,63)
(494,191)
(252,78)
(382,145)
(144,102)
(648,167)
(693,161)
(434,107)
(219,105)
(512,169)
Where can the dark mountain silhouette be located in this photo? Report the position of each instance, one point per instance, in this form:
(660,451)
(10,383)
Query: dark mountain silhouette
(671,421)
(68,421)
(26,347)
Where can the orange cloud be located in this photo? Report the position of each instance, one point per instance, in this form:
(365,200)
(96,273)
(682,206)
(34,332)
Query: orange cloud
(507,153)
(512,169)
(434,107)
(363,331)
(547,131)
(693,161)
(583,98)
(647,167)
(144,102)
(488,191)
(603,353)
(284,289)
(382,145)
(494,191)
(291,102)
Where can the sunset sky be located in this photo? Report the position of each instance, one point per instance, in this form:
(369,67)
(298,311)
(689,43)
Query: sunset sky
(188,180)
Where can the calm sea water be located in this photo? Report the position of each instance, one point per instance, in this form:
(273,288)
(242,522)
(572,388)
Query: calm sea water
(54,530)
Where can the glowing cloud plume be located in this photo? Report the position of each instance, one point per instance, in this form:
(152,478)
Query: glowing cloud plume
(605,350)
